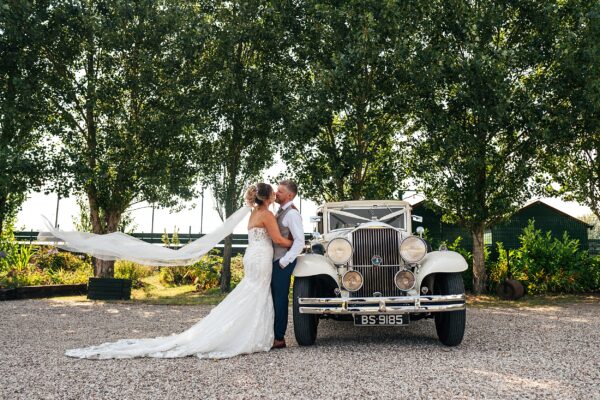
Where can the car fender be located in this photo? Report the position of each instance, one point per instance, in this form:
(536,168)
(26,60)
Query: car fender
(315,264)
(440,261)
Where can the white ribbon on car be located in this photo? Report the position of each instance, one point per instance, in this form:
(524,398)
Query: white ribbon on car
(350,215)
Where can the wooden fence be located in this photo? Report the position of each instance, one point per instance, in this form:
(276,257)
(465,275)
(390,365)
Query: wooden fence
(240,241)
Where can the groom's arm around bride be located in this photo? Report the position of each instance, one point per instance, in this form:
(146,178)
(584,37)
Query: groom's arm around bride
(284,260)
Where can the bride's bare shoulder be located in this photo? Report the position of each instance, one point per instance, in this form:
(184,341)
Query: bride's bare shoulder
(265,215)
(259,217)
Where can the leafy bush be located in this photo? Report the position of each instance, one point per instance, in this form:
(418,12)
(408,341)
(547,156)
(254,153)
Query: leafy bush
(205,274)
(548,264)
(50,259)
(135,272)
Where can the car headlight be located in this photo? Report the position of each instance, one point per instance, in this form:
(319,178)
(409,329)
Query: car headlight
(413,249)
(352,281)
(404,280)
(339,251)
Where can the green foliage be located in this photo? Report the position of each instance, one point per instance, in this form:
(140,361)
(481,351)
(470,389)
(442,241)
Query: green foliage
(247,90)
(205,274)
(353,98)
(50,259)
(30,265)
(122,73)
(165,238)
(572,104)
(135,272)
(477,123)
(24,153)
(546,264)
(175,237)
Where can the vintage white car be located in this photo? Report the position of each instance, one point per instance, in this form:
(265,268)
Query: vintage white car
(365,265)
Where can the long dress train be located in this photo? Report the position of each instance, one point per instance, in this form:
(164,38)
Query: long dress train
(241,323)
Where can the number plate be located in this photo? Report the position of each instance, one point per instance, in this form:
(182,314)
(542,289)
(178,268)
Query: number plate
(382,319)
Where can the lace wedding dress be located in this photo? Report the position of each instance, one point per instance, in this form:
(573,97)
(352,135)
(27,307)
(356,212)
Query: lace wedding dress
(241,323)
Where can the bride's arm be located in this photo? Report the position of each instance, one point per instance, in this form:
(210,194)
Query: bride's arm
(271,225)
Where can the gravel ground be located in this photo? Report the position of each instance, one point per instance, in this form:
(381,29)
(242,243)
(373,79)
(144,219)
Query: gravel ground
(545,352)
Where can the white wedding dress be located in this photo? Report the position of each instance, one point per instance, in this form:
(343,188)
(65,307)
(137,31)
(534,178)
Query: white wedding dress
(242,323)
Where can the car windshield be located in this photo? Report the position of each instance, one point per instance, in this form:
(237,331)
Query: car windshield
(352,217)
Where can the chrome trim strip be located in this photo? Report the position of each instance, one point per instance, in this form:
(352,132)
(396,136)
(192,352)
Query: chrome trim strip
(376,300)
(382,305)
(384,310)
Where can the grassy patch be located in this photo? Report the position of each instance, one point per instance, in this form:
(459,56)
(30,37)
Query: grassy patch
(154,292)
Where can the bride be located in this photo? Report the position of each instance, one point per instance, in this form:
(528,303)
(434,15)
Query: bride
(242,323)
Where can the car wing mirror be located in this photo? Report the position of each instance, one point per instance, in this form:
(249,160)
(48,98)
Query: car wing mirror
(315,218)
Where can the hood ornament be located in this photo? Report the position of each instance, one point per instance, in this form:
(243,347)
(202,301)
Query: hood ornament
(376,260)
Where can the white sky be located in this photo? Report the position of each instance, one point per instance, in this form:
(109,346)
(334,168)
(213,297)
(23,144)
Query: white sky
(38,204)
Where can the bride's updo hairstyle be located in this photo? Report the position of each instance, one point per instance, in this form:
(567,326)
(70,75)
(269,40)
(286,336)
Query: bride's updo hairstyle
(259,193)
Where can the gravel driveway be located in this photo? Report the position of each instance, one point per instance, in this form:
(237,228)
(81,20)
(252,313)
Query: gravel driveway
(545,352)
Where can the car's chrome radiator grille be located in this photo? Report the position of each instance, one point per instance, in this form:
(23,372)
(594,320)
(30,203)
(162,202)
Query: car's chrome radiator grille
(383,242)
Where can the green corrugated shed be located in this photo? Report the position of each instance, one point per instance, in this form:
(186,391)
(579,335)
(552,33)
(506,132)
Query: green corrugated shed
(547,218)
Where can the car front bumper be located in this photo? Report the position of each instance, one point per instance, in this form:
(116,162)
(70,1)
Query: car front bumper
(382,305)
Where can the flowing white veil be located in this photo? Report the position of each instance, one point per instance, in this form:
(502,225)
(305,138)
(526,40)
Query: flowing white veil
(120,246)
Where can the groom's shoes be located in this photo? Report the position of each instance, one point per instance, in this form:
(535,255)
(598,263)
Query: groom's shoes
(278,344)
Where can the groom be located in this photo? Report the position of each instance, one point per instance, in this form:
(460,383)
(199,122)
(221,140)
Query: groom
(284,260)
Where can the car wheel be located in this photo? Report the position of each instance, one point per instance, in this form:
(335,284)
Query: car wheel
(305,325)
(450,326)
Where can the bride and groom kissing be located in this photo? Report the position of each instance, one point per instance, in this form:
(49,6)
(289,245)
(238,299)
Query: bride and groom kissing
(254,316)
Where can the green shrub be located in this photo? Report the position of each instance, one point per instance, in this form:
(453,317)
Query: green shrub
(27,265)
(50,259)
(205,274)
(135,272)
(547,264)
(554,265)
(72,277)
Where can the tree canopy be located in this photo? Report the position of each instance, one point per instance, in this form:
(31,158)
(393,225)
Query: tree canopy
(121,76)
(25,153)
(245,67)
(476,127)
(354,57)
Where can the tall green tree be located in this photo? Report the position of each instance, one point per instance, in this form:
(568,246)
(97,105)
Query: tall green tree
(572,98)
(24,154)
(353,98)
(122,74)
(476,117)
(247,88)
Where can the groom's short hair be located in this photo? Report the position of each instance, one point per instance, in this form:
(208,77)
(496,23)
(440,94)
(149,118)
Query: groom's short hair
(290,185)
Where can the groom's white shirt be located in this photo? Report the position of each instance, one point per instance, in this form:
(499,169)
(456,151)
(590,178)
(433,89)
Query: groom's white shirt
(293,221)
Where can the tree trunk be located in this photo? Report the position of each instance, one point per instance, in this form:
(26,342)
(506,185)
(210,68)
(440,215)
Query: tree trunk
(226,270)
(479,274)
(3,209)
(227,249)
(104,268)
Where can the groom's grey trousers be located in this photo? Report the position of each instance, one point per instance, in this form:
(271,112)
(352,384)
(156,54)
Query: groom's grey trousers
(280,289)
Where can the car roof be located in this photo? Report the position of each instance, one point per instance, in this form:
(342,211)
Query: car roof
(365,203)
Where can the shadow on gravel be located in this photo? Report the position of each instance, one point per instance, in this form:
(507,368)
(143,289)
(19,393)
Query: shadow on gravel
(336,333)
